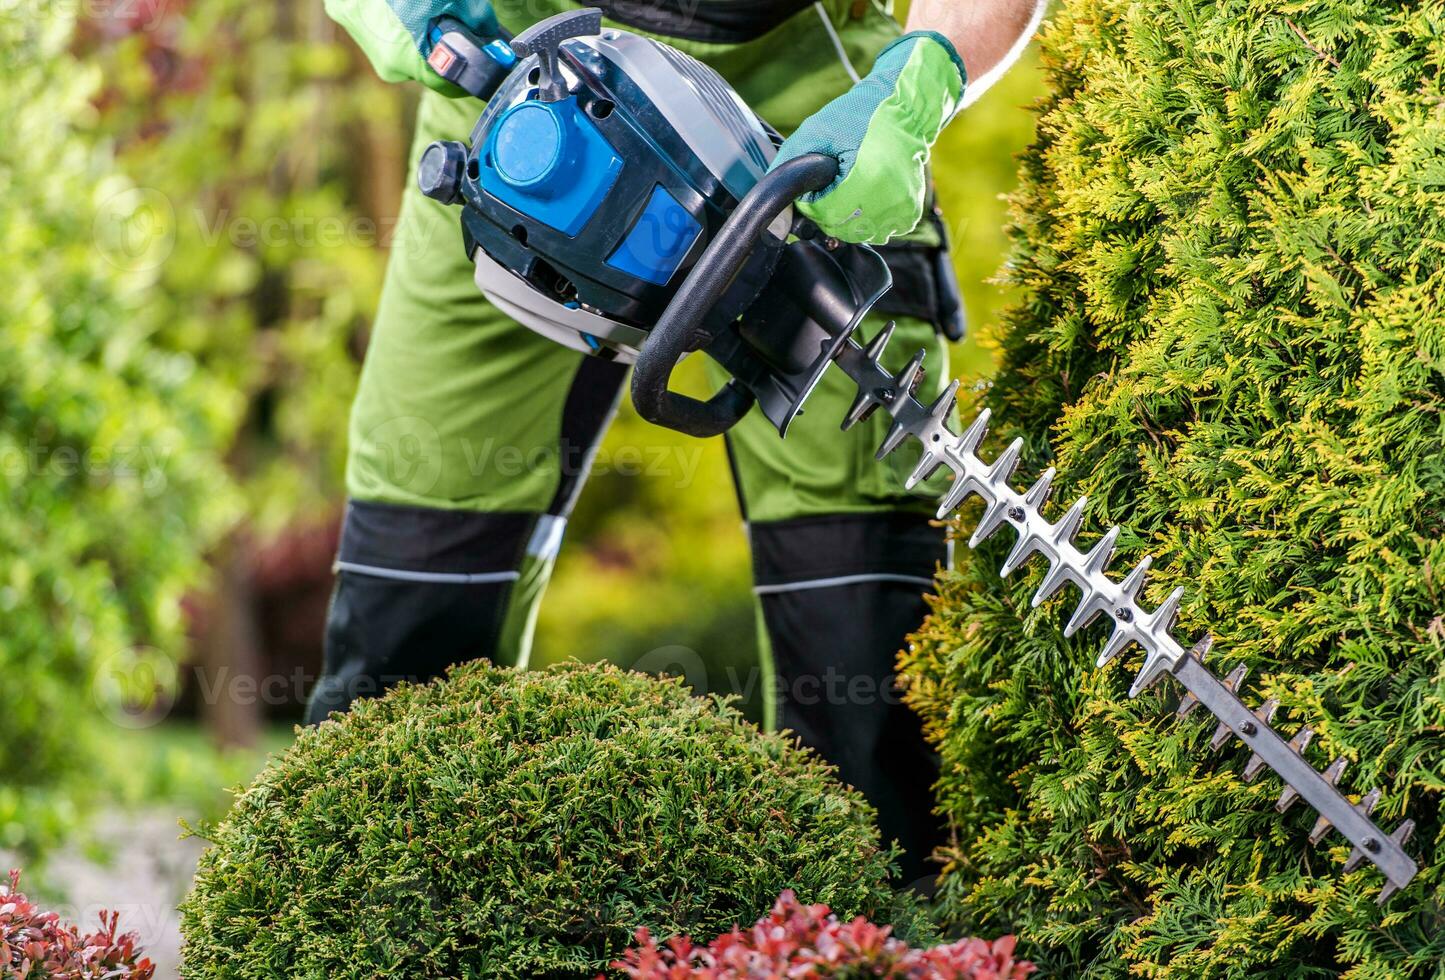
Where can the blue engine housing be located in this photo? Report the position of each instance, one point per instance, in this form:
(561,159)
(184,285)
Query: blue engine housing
(603,168)
(597,199)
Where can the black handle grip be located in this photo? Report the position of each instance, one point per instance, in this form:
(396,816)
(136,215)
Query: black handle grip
(680,328)
(463,57)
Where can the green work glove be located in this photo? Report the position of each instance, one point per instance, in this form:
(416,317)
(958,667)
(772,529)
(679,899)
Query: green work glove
(396,34)
(881,133)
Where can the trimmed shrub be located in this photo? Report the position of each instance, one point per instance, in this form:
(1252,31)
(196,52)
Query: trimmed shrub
(502,824)
(36,945)
(1228,232)
(797,940)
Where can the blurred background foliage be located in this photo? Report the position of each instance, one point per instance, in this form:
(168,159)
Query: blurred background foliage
(201,197)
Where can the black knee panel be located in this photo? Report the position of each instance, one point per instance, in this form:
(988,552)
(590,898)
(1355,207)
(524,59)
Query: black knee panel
(417,591)
(839,597)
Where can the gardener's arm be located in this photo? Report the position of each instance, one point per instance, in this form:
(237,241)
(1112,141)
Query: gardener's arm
(989,35)
(883,131)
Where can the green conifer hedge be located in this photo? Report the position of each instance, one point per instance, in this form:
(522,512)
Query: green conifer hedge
(1231,239)
(507,824)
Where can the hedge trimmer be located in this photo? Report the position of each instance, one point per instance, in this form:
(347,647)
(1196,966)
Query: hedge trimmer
(606,164)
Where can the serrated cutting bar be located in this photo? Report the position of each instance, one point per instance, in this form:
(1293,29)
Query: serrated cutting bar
(1101,595)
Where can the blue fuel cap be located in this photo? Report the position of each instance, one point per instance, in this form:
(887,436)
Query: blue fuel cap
(531,146)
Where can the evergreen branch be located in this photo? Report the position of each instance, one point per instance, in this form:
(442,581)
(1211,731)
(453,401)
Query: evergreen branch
(1319,53)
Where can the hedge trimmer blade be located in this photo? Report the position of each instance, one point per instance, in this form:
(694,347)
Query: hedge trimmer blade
(1101,595)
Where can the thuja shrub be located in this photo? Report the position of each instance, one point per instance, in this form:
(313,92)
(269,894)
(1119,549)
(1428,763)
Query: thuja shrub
(797,940)
(36,945)
(508,824)
(1228,234)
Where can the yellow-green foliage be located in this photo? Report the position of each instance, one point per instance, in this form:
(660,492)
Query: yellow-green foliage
(110,434)
(1230,236)
(508,824)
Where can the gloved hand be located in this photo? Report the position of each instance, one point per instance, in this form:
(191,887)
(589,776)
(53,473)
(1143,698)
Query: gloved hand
(395,35)
(881,133)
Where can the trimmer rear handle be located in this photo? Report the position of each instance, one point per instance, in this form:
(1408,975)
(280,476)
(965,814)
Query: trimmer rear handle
(476,63)
(681,328)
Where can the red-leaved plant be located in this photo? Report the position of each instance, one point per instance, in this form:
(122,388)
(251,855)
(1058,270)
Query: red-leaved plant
(34,945)
(802,941)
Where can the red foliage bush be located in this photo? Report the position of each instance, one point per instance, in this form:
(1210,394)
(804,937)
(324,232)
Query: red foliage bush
(36,946)
(804,941)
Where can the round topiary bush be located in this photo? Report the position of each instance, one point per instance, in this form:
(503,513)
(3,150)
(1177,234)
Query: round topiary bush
(508,824)
(1229,238)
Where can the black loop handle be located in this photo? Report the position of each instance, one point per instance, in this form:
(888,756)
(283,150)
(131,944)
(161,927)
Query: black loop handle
(680,328)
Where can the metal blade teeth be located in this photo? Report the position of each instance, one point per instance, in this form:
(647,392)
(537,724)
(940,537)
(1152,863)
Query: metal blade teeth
(1199,651)
(864,406)
(1371,844)
(964,483)
(1220,737)
(1265,713)
(1119,641)
(1094,600)
(871,399)
(1038,494)
(1332,776)
(1068,526)
(1026,545)
(1092,605)
(879,344)
(1097,560)
(1102,595)
(1400,837)
(1058,576)
(934,455)
(1008,461)
(896,434)
(1301,739)
(1133,583)
(1156,664)
(1029,542)
(1187,705)
(1322,825)
(1157,623)
(1000,509)
(993,517)
(1222,733)
(905,383)
(1203,647)
(972,438)
(908,379)
(1162,619)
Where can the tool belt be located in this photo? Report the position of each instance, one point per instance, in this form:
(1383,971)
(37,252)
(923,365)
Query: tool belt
(925,285)
(712,21)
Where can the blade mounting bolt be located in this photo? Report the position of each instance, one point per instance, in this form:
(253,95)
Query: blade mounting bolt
(1016,514)
(1123,614)
(1372,844)
(1249,728)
